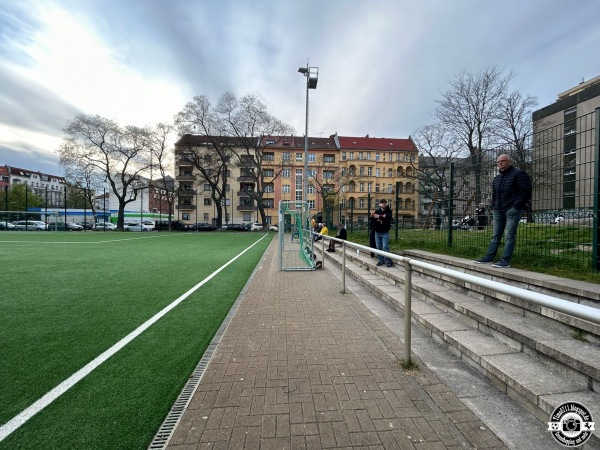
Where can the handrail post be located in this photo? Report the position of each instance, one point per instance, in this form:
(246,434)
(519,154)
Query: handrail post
(407,309)
(343,267)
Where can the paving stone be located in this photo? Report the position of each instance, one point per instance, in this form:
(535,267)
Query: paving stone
(302,365)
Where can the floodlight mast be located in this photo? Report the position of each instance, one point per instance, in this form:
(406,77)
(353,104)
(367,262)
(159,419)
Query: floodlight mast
(312,76)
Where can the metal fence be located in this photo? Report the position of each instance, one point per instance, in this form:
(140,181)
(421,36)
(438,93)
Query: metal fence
(561,220)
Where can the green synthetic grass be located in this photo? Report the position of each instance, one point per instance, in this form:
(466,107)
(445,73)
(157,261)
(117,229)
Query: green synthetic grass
(67,297)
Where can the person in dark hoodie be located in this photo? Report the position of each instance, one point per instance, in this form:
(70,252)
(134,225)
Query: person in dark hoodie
(511,190)
(382,225)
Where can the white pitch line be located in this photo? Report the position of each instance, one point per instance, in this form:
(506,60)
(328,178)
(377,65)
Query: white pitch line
(21,418)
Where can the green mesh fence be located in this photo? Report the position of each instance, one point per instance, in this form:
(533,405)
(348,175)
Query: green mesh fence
(295,240)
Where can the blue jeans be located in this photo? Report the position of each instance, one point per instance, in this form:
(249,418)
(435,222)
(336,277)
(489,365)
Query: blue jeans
(505,222)
(382,242)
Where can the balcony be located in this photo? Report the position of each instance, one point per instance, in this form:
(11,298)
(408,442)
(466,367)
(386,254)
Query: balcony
(187,192)
(246,207)
(188,177)
(184,162)
(245,193)
(247,178)
(186,207)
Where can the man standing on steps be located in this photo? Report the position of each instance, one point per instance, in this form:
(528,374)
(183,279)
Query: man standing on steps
(382,223)
(511,190)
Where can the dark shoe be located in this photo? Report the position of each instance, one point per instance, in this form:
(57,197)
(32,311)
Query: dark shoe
(389,264)
(501,264)
(380,263)
(483,260)
(330,250)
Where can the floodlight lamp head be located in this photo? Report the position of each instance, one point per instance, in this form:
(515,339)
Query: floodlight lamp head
(302,70)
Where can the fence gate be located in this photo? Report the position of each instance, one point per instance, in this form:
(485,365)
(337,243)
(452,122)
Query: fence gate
(295,239)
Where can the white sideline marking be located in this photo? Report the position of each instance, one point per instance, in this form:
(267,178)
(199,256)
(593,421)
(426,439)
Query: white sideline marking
(21,418)
(91,242)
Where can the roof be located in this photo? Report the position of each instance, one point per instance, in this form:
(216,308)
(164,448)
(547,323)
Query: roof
(196,139)
(297,142)
(27,173)
(369,143)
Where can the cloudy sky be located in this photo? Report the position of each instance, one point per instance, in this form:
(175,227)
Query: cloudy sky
(382,63)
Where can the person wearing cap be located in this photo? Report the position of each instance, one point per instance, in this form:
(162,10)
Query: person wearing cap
(322,231)
(382,224)
(342,234)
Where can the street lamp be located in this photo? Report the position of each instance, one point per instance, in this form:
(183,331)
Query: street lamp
(312,76)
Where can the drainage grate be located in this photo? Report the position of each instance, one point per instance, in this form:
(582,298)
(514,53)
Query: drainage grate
(165,432)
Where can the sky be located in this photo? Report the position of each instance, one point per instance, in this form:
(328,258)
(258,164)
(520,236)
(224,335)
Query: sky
(383,64)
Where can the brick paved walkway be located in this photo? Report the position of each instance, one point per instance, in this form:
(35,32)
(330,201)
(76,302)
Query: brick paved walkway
(304,366)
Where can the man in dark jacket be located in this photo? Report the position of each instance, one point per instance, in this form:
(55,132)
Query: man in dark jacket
(382,224)
(341,234)
(511,190)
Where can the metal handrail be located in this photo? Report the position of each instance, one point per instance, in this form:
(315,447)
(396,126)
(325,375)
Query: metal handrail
(583,312)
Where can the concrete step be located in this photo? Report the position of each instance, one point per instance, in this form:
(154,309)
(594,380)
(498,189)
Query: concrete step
(534,360)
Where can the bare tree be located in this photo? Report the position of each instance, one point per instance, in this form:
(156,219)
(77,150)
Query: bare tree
(469,111)
(239,133)
(120,154)
(438,148)
(161,157)
(85,178)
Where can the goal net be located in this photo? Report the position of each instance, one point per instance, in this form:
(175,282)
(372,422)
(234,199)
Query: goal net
(295,239)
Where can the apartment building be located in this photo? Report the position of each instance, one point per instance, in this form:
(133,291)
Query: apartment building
(343,173)
(563,146)
(376,167)
(49,187)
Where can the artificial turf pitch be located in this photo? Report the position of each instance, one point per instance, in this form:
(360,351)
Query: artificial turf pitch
(67,297)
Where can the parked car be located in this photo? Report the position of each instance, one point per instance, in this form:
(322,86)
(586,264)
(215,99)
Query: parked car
(237,227)
(6,226)
(87,225)
(176,225)
(30,225)
(273,227)
(101,226)
(135,226)
(203,226)
(62,226)
(256,226)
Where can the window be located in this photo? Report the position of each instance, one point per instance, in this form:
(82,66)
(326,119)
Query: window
(298,156)
(269,188)
(286,173)
(361,203)
(328,174)
(286,189)
(329,158)
(362,187)
(269,173)
(369,187)
(377,156)
(207,187)
(207,202)
(185,216)
(287,156)
(311,189)
(343,156)
(268,156)
(312,173)
(268,203)
(370,171)
(311,204)
(311,157)
(377,172)
(351,156)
